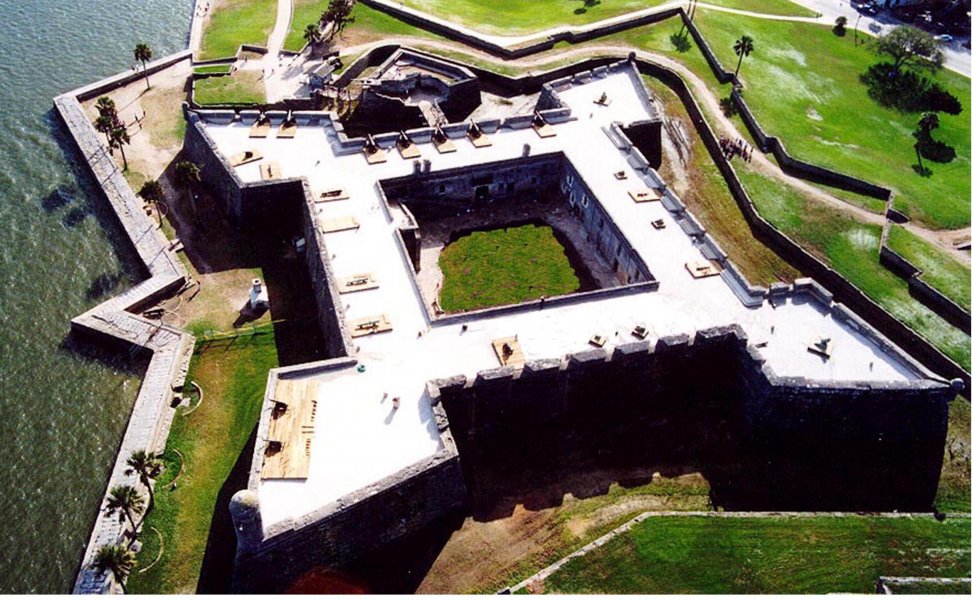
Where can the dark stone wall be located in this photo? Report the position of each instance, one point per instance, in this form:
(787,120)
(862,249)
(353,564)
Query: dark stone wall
(647,137)
(764,443)
(943,306)
(406,502)
(221,180)
(452,191)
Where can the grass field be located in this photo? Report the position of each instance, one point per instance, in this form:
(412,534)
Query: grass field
(305,13)
(512,17)
(211,439)
(684,555)
(852,249)
(954,485)
(939,270)
(212,69)
(802,83)
(242,87)
(235,22)
(504,266)
(708,197)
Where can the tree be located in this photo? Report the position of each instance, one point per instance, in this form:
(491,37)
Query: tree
(312,34)
(143,54)
(118,139)
(106,123)
(152,192)
(105,106)
(126,502)
(147,466)
(743,47)
(187,174)
(927,123)
(910,46)
(115,559)
(840,26)
(337,16)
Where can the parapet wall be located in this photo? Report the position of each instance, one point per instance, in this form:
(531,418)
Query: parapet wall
(894,429)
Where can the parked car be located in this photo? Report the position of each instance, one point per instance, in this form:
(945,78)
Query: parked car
(944,38)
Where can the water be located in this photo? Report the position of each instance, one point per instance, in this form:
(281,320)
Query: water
(62,409)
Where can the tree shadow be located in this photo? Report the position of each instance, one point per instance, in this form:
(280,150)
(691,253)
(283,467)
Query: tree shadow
(103,284)
(681,42)
(921,170)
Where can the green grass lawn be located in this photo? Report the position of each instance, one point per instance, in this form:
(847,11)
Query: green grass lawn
(504,266)
(517,17)
(305,13)
(852,249)
(242,87)
(212,69)
(802,83)
(235,22)
(685,555)
(939,270)
(211,439)
(954,485)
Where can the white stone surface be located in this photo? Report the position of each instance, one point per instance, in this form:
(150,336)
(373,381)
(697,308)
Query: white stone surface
(360,439)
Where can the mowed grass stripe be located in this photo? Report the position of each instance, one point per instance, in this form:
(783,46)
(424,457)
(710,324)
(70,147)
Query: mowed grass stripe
(669,555)
(504,266)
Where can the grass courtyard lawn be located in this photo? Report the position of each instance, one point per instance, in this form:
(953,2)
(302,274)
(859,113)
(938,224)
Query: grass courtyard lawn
(235,22)
(504,266)
(684,555)
(852,249)
(211,439)
(242,87)
(939,270)
(802,83)
(511,17)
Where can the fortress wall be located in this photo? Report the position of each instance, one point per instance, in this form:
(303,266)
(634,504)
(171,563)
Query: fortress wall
(342,530)
(200,148)
(868,445)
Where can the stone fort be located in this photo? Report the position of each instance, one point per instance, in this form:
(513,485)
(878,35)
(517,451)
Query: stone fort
(781,397)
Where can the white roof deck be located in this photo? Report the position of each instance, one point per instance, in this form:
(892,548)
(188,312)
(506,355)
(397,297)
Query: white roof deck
(360,440)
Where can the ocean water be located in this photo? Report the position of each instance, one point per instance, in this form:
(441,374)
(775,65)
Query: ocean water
(63,405)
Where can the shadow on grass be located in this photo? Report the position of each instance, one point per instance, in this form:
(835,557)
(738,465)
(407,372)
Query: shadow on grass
(216,574)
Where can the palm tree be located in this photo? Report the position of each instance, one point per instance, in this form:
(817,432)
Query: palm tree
(118,138)
(143,54)
(105,123)
(126,502)
(743,47)
(312,34)
(152,192)
(147,466)
(105,105)
(115,559)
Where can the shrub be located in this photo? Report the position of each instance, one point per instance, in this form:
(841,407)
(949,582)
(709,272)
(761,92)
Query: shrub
(840,26)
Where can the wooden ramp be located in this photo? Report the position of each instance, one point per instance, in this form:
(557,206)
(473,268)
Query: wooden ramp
(356,283)
(260,129)
(645,195)
(287,130)
(339,224)
(375,156)
(444,146)
(545,131)
(332,195)
(509,352)
(703,268)
(245,157)
(270,170)
(291,434)
(480,141)
(370,326)
(409,150)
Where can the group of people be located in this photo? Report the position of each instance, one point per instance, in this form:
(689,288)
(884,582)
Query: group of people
(737,147)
